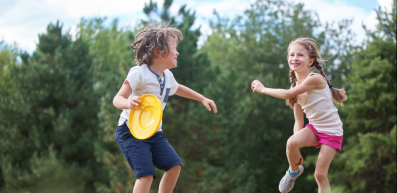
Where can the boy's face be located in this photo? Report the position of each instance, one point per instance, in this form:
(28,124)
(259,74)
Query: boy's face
(170,61)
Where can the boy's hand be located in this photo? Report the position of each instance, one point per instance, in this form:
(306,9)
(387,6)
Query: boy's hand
(257,86)
(208,103)
(134,102)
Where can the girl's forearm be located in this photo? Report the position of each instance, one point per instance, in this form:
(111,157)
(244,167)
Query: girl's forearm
(186,92)
(278,93)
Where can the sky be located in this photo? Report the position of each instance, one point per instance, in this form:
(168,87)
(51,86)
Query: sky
(21,21)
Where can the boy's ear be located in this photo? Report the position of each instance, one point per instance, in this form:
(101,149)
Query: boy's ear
(156,52)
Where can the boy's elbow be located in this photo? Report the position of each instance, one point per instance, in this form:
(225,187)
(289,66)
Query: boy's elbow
(114,101)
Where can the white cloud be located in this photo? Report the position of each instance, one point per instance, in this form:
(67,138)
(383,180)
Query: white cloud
(386,3)
(339,10)
(21,21)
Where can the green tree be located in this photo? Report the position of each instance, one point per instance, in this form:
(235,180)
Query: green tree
(49,120)
(112,58)
(368,162)
(8,58)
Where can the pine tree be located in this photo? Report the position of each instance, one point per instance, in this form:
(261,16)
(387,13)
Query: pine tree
(112,59)
(51,118)
(368,161)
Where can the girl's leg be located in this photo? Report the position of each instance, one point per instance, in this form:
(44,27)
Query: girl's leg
(327,153)
(303,138)
(142,184)
(169,179)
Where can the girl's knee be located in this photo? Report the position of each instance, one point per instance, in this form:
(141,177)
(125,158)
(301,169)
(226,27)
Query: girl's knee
(292,144)
(320,176)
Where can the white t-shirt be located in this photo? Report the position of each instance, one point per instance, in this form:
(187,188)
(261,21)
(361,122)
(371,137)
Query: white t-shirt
(144,81)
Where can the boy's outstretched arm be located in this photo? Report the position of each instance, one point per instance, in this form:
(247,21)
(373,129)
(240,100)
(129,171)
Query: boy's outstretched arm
(186,92)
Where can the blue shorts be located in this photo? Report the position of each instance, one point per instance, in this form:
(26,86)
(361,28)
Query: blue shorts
(144,155)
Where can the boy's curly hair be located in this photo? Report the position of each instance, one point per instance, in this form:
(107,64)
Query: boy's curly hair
(151,38)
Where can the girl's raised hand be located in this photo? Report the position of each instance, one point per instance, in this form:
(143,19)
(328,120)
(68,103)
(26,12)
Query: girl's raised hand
(208,103)
(134,102)
(257,86)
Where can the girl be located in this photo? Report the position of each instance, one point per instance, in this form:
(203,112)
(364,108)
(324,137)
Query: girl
(312,94)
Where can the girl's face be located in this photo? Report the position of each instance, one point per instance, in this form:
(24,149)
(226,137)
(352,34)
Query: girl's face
(299,59)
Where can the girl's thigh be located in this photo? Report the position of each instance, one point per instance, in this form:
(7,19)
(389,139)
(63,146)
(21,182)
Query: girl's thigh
(304,138)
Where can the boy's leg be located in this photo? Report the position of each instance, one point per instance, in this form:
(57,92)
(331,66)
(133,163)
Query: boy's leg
(139,156)
(165,158)
(142,184)
(325,157)
(303,138)
(169,179)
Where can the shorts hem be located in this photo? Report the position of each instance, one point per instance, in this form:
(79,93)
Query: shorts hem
(172,165)
(143,175)
(326,140)
(318,146)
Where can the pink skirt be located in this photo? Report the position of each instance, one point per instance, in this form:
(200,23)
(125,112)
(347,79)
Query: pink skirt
(330,140)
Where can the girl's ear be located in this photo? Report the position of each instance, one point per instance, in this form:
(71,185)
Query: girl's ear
(311,61)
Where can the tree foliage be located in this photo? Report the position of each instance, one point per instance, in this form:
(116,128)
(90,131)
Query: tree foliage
(368,162)
(49,116)
(57,120)
(256,127)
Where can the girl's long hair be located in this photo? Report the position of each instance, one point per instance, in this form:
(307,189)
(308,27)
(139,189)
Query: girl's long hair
(338,94)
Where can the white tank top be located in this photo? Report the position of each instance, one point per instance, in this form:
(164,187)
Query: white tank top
(319,108)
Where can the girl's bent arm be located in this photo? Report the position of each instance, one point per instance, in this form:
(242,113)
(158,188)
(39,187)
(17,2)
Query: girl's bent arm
(186,92)
(298,114)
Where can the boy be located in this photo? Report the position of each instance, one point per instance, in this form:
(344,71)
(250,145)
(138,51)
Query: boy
(155,49)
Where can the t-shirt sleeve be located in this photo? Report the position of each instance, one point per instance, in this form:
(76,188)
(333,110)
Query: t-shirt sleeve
(134,78)
(174,84)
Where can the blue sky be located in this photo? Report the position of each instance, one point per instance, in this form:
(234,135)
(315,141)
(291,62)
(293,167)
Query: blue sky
(367,5)
(21,21)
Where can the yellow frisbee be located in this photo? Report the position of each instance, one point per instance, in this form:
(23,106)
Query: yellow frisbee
(144,121)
